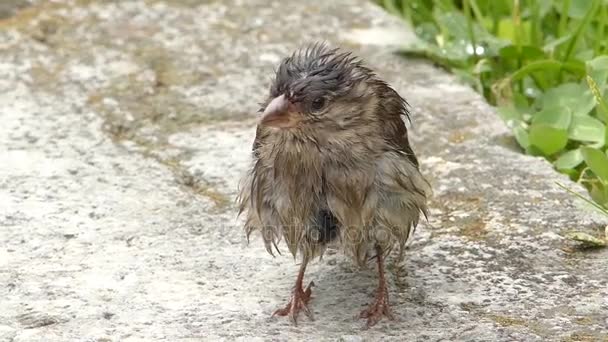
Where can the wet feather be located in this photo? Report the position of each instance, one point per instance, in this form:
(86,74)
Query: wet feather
(350,163)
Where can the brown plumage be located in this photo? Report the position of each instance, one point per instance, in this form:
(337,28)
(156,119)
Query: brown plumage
(332,163)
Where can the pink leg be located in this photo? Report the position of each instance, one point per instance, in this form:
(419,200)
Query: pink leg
(299,298)
(380,306)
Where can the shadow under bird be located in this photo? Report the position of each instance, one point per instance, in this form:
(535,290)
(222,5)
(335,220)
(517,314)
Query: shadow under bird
(332,164)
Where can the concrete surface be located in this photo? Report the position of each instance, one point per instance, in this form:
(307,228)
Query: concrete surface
(125,126)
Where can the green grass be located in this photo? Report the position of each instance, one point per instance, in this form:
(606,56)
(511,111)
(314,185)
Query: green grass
(543,63)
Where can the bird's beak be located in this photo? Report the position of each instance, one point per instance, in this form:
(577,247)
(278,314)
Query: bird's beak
(280,113)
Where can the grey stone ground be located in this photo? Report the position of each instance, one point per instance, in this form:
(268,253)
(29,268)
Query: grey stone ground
(125,126)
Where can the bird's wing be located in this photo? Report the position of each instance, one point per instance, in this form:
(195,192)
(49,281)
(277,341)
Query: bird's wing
(393,111)
(396,135)
(405,147)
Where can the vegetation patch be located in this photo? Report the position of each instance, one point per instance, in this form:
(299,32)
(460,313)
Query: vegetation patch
(543,63)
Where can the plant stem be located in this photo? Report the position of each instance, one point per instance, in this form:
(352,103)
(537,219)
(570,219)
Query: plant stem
(601,28)
(563,19)
(545,65)
(580,28)
(477,12)
(536,29)
(495,17)
(518,38)
(467,13)
(594,204)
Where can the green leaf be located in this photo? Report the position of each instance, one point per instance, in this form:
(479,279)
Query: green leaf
(587,128)
(545,65)
(597,68)
(528,52)
(532,53)
(441,56)
(574,96)
(597,162)
(483,66)
(584,55)
(548,140)
(508,52)
(509,114)
(599,63)
(578,8)
(426,31)
(598,192)
(520,101)
(569,160)
(580,27)
(571,173)
(551,45)
(556,117)
(514,120)
(545,6)
(506,29)
(522,136)
(454,23)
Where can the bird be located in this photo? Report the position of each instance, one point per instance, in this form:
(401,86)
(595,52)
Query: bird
(332,165)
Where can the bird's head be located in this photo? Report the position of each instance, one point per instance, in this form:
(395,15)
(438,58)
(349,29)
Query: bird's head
(323,89)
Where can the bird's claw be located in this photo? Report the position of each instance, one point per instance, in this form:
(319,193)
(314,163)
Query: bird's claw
(299,301)
(377,309)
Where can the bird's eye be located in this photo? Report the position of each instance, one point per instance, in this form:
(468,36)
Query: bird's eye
(317,104)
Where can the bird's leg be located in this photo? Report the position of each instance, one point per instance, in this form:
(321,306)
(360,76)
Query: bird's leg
(299,298)
(380,306)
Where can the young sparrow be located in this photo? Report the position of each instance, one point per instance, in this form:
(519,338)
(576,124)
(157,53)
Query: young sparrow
(332,163)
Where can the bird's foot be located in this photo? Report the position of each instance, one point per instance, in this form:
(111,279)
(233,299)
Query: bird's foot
(299,301)
(378,308)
